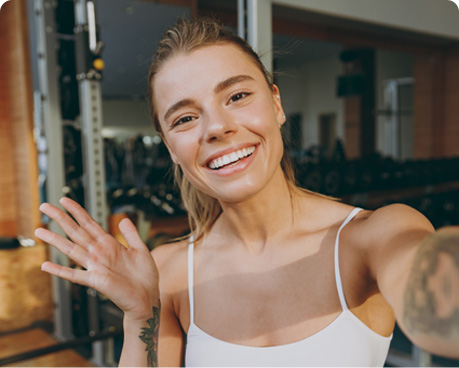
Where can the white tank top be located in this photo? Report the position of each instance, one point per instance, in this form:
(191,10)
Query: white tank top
(347,341)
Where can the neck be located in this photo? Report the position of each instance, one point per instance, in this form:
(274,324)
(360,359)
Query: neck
(268,214)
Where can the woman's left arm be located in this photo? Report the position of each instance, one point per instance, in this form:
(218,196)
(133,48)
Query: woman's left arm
(417,271)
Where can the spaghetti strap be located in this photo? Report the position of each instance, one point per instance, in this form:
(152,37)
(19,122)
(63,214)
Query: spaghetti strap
(339,284)
(190,279)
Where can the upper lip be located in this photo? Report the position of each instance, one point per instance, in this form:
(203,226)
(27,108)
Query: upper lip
(228,151)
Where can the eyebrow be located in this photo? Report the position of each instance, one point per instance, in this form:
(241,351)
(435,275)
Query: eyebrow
(178,105)
(230,81)
(218,88)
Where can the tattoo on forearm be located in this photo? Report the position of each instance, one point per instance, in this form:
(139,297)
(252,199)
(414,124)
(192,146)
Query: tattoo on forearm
(150,336)
(432,294)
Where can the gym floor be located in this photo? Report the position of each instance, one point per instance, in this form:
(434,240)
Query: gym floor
(36,338)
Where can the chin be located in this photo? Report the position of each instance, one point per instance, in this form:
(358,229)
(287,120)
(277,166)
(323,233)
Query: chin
(233,194)
(238,189)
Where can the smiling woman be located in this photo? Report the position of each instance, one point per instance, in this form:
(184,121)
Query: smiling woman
(179,44)
(271,275)
(233,102)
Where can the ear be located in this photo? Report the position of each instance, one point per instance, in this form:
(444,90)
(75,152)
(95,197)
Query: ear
(171,152)
(280,115)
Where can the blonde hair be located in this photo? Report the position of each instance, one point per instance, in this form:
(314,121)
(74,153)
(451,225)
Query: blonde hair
(184,37)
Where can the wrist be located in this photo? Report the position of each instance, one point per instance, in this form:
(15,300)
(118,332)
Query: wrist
(141,316)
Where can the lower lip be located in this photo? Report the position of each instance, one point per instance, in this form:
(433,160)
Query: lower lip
(241,165)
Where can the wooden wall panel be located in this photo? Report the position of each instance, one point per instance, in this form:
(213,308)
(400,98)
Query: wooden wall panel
(8,214)
(19,171)
(21,115)
(25,291)
(423,106)
(436,108)
(353,128)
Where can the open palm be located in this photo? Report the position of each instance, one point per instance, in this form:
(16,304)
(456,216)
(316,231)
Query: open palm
(127,276)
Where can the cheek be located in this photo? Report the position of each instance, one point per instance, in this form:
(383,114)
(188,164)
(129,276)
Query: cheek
(261,117)
(266,123)
(184,150)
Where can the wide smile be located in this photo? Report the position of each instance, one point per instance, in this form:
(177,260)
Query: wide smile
(230,159)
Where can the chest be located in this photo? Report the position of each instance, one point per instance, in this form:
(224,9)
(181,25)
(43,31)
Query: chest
(274,301)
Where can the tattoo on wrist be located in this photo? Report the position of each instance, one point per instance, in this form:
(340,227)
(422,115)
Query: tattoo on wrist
(149,336)
(431,302)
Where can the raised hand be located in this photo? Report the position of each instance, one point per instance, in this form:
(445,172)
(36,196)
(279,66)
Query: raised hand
(127,276)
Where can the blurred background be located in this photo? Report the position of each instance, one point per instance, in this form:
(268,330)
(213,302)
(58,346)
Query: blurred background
(371,93)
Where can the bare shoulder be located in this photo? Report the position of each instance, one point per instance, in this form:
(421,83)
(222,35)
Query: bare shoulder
(379,236)
(391,221)
(171,260)
(370,227)
(171,256)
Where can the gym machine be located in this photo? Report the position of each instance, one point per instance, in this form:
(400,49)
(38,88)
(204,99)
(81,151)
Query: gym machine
(69,74)
(49,141)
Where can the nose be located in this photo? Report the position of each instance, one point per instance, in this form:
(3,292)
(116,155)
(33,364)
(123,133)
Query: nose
(219,125)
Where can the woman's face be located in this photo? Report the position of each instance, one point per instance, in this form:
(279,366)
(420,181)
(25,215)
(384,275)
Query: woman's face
(220,121)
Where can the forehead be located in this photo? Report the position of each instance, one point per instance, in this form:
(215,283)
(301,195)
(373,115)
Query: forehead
(186,74)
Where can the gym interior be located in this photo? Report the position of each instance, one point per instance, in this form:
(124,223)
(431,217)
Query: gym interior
(371,93)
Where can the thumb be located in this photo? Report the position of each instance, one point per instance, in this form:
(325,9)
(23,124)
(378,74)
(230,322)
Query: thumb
(130,233)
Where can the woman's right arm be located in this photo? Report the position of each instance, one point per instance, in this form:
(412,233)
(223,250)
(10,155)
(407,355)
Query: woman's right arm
(127,276)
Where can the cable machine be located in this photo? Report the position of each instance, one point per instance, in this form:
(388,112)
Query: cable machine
(49,140)
(81,85)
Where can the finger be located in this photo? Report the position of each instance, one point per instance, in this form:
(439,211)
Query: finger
(84,219)
(71,250)
(130,233)
(71,274)
(75,232)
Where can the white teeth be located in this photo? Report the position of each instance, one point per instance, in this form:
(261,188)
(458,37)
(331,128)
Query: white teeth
(230,158)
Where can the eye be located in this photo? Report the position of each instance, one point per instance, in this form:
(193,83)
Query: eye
(184,120)
(238,96)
